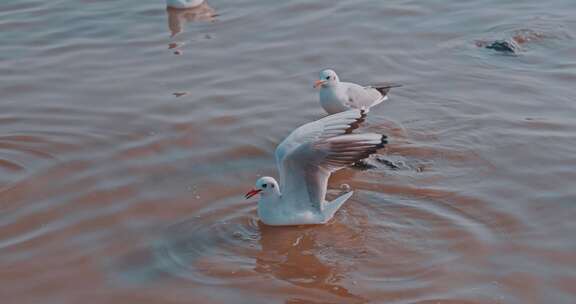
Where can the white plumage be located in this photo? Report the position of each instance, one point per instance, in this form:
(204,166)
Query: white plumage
(305,160)
(338,96)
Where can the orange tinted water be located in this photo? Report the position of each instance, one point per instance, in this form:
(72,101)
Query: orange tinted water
(123,165)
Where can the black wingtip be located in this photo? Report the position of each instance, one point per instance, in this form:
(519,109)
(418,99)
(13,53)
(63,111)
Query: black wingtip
(383,141)
(389,86)
(384,89)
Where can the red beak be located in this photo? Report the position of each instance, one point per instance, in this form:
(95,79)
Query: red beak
(252,192)
(318,83)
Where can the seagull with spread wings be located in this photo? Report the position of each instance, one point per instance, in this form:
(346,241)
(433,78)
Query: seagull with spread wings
(305,160)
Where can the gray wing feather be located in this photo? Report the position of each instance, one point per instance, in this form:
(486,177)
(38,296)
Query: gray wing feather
(362,97)
(308,156)
(329,126)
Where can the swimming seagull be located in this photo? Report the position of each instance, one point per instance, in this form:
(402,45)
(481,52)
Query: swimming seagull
(305,160)
(337,96)
(183,3)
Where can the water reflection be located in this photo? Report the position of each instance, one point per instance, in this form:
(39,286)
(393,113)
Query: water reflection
(228,247)
(178,17)
(294,255)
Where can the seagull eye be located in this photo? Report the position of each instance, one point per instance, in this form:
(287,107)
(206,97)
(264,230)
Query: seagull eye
(264,186)
(327,77)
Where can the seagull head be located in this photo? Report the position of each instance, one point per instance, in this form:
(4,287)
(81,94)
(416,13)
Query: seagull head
(327,78)
(265,186)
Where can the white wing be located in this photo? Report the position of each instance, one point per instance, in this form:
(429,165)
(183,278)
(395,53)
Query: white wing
(360,97)
(308,156)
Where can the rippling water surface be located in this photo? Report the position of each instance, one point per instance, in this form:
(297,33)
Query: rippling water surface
(128,134)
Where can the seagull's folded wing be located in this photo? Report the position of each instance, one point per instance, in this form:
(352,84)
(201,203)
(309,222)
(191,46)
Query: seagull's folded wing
(362,97)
